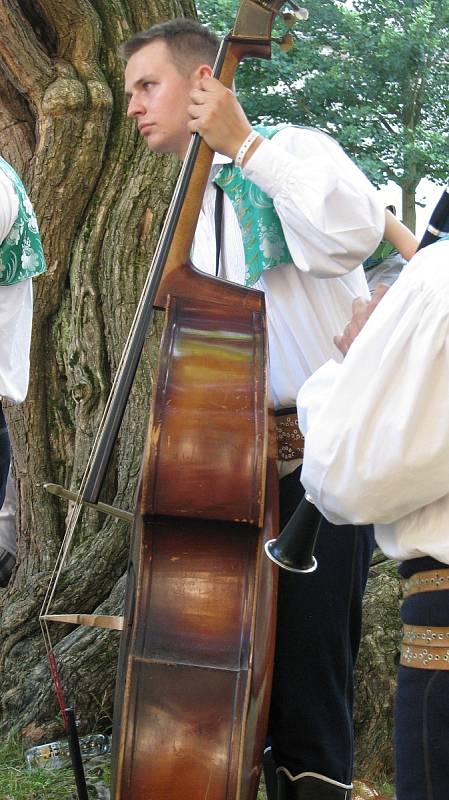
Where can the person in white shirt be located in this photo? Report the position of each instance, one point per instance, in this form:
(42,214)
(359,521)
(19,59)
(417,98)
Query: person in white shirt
(21,258)
(324,218)
(387,462)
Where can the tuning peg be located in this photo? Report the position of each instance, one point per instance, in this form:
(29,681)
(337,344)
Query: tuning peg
(292,17)
(286,43)
(304,14)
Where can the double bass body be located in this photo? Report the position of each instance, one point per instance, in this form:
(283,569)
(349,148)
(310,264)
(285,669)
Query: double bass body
(195,664)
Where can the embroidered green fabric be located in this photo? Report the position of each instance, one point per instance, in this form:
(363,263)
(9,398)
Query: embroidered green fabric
(21,254)
(263,238)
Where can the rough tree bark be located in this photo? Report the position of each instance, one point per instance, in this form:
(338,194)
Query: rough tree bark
(376,673)
(99,198)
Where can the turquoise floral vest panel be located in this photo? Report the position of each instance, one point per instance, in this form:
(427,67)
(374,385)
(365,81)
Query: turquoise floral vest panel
(21,254)
(263,238)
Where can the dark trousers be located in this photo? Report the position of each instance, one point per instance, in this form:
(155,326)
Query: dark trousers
(318,635)
(422,704)
(5,456)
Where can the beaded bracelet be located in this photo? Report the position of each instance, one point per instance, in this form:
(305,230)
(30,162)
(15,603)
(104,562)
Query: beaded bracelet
(244,147)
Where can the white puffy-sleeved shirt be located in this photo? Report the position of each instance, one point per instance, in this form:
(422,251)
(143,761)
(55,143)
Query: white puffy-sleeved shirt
(16,312)
(377,425)
(332,219)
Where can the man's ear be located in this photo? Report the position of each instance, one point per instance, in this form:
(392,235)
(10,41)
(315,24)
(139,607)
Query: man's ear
(203,71)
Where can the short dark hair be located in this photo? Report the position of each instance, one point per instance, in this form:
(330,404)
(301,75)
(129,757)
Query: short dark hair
(189,43)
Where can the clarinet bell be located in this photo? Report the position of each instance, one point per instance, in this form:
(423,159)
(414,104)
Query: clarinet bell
(294,547)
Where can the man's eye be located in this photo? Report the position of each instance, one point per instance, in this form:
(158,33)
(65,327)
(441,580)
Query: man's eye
(148,84)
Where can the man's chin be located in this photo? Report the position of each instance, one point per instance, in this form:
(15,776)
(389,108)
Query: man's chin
(151,146)
(158,145)
(154,145)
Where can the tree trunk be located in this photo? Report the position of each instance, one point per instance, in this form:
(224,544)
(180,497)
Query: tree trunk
(99,198)
(408,203)
(376,674)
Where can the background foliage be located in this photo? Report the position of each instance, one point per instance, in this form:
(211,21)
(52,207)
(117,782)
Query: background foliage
(374,74)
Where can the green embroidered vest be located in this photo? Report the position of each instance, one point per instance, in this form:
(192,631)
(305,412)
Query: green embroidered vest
(263,238)
(21,254)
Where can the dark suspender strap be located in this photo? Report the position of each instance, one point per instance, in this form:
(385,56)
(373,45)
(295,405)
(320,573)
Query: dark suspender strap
(218,226)
(280,412)
(438,227)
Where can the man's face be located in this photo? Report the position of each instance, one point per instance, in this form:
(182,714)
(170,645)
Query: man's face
(158,98)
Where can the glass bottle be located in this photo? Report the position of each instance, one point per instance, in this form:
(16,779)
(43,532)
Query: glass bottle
(57,754)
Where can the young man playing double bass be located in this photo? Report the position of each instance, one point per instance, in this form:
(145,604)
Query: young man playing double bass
(324,219)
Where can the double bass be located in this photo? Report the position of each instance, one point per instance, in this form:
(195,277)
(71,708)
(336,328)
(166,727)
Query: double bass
(196,653)
(195,663)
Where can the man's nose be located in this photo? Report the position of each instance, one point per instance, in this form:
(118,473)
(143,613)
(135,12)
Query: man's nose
(135,108)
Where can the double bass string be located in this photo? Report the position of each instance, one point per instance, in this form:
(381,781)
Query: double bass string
(141,319)
(77,504)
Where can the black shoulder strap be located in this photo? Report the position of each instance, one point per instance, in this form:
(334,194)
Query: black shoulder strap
(218,226)
(438,226)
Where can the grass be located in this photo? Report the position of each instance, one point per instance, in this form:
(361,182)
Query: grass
(385,788)
(17,782)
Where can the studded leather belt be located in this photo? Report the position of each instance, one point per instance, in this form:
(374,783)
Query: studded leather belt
(425,648)
(289,438)
(429,581)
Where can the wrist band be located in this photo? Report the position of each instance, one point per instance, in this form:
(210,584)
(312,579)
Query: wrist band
(244,147)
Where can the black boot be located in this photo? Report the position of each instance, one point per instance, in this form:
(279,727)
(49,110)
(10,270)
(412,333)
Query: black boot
(308,786)
(269,774)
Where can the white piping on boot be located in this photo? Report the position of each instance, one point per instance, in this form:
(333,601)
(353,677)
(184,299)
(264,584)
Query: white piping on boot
(293,778)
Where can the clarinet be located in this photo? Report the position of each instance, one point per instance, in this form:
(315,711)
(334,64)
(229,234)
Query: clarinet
(294,547)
